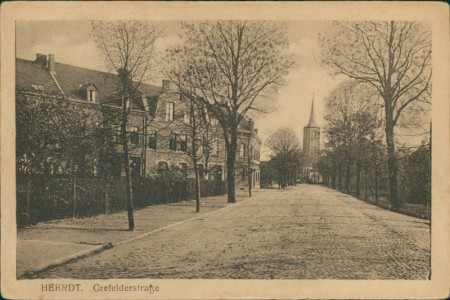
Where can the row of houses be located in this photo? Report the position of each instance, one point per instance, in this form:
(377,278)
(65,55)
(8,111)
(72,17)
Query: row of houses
(158,126)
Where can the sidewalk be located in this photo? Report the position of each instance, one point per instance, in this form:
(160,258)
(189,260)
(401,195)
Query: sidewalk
(56,242)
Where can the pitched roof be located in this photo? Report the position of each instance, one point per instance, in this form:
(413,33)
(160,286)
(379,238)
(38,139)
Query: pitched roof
(30,74)
(73,81)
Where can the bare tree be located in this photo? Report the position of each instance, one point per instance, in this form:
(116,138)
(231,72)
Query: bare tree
(392,57)
(285,147)
(283,141)
(198,137)
(351,117)
(233,63)
(127,47)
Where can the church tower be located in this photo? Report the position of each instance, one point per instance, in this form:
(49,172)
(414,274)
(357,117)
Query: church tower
(311,138)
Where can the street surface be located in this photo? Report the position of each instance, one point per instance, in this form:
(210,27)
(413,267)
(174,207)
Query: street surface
(305,232)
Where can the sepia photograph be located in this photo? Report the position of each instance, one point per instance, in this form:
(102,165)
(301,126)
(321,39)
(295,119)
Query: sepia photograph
(221,149)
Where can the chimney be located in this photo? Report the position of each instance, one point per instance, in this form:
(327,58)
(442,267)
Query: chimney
(51,64)
(165,85)
(250,121)
(41,59)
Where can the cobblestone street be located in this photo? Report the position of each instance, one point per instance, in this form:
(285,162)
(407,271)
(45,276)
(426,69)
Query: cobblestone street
(307,232)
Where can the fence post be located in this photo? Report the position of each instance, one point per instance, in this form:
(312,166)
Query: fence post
(28,201)
(74,195)
(166,195)
(365,184)
(106,196)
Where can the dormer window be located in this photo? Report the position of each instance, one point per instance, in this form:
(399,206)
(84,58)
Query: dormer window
(89,92)
(92,96)
(37,87)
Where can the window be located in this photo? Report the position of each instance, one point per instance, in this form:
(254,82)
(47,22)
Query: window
(173,142)
(184,169)
(200,150)
(187,117)
(135,165)
(134,135)
(162,167)
(243,174)
(201,171)
(91,96)
(242,150)
(217,173)
(116,133)
(170,111)
(152,139)
(205,147)
(216,147)
(183,143)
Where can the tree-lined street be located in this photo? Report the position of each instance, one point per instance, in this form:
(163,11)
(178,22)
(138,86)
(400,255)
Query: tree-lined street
(127,144)
(305,232)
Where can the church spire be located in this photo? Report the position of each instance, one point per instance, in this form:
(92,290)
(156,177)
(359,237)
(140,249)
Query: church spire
(312,120)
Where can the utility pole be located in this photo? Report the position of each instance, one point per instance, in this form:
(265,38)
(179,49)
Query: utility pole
(144,147)
(249,156)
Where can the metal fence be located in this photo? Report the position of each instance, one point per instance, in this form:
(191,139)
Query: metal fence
(43,198)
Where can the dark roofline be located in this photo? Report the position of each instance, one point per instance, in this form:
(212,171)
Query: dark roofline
(87,69)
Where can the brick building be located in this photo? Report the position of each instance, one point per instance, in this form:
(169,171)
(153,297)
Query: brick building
(158,130)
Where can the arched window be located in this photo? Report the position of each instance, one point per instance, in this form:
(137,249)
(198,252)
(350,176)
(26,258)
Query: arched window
(242,151)
(134,135)
(201,171)
(162,167)
(184,169)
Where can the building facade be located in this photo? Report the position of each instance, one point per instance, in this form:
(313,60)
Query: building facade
(248,157)
(159,125)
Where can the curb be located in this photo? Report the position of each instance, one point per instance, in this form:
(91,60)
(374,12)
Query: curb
(95,250)
(30,273)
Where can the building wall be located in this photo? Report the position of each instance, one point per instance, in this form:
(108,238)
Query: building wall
(88,89)
(247,160)
(166,127)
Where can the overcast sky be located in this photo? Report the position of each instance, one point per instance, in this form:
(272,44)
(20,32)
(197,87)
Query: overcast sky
(71,44)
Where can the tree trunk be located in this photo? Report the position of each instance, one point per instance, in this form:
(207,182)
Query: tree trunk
(126,165)
(358,179)
(106,193)
(347,177)
(197,187)
(340,179)
(74,196)
(28,203)
(129,191)
(249,181)
(376,183)
(365,183)
(392,165)
(333,179)
(231,158)
(230,180)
